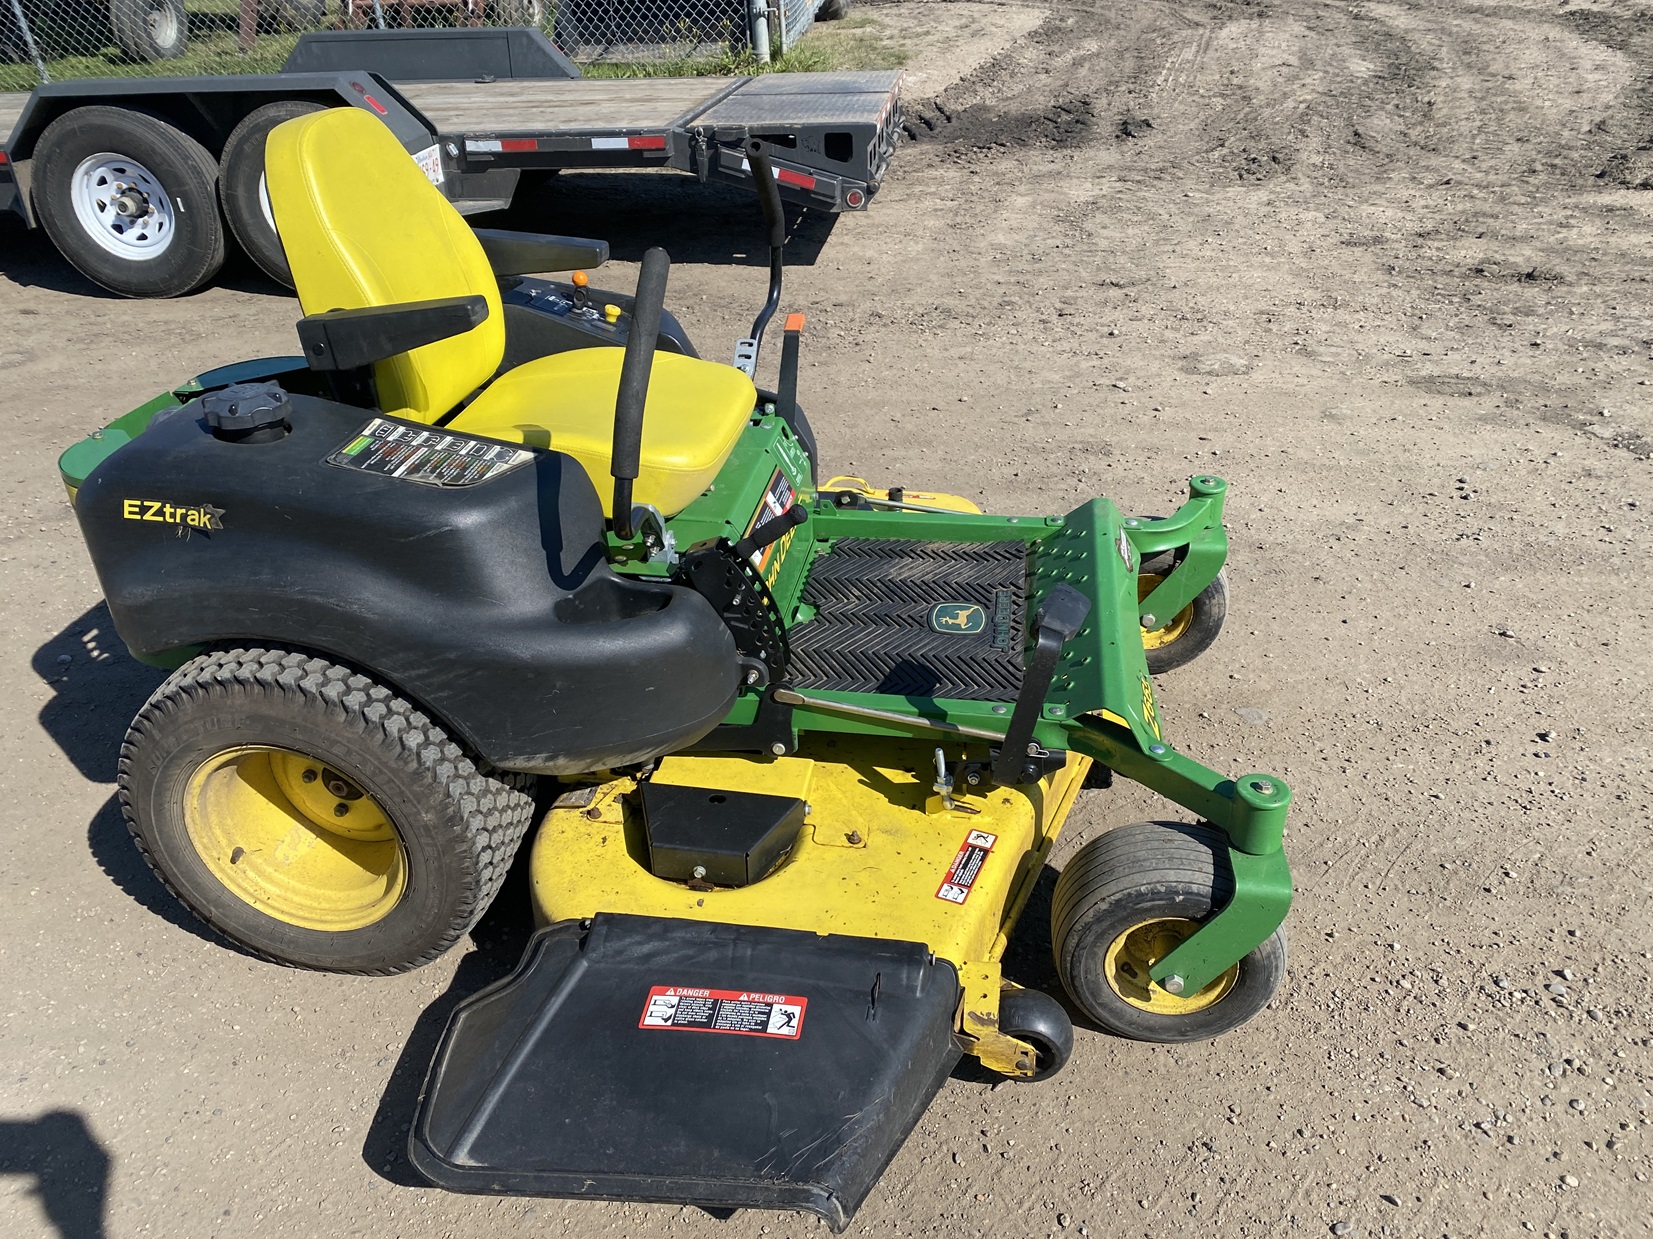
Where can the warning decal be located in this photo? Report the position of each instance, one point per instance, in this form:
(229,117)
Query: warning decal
(432,457)
(962,873)
(746,1012)
(778,496)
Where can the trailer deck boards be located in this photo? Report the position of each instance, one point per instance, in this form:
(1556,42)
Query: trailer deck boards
(552,107)
(836,130)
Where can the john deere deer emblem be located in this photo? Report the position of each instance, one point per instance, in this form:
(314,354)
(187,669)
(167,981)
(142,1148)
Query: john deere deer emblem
(958,619)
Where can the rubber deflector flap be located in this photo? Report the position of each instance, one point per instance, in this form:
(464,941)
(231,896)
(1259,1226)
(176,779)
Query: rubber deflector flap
(682,1062)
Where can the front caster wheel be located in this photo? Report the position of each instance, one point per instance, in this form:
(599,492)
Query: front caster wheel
(1126,900)
(1035,1017)
(1191,631)
(313,816)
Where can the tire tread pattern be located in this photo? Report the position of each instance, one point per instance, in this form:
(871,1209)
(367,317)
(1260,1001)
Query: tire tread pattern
(495,806)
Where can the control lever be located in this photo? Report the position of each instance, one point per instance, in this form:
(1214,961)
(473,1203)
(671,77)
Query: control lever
(774,215)
(635,367)
(1062,615)
(773,530)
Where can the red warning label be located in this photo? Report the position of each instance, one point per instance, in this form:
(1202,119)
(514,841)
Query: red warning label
(746,1012)
(962,873)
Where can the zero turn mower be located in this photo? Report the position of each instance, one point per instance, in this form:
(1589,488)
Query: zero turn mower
(802,746)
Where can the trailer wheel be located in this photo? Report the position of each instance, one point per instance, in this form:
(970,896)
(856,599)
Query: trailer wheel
(1123,902)
(130,201)
(242,190)
(150,30)
(314,816)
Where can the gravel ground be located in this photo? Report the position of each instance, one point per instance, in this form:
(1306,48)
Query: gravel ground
(1384,267)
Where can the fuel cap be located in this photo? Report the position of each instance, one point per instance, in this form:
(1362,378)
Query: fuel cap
(247,412)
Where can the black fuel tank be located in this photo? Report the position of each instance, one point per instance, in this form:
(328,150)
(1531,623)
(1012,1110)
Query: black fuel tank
(489,603)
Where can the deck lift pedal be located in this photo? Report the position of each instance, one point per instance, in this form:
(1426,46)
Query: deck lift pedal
(802,747)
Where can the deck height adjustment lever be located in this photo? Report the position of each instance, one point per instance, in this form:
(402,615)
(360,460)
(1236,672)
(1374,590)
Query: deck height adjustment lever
(1060,617)
(772,530)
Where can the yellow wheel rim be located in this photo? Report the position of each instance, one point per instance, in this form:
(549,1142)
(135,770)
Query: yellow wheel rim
(1160,637)
(1142,946)
(295,838)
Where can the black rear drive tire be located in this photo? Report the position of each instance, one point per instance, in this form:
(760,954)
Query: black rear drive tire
(198,774)
(103,175)
(241,187)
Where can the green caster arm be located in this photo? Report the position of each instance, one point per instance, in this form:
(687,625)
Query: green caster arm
(1251,810)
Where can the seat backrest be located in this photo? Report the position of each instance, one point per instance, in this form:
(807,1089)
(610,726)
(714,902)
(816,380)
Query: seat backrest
(363,226)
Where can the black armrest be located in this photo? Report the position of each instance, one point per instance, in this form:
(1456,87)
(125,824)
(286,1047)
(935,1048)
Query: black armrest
(350,339)
(529,253)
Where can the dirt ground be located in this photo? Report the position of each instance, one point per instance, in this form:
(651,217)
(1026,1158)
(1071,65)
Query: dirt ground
(1382,265)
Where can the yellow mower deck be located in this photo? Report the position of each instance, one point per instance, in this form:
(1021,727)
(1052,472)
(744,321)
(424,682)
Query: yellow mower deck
(879,856)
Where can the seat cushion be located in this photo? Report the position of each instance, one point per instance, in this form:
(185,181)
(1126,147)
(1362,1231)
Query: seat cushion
(694,414)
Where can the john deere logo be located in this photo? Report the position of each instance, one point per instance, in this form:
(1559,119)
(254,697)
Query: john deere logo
(958,619)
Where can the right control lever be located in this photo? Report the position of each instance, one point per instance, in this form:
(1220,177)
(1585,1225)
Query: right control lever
(1060,617)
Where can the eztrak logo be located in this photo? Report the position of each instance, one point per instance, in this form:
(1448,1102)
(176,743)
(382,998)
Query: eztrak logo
(184,517)
(958,619)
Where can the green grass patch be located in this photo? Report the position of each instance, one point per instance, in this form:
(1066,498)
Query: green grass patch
(853,43)
(88,50)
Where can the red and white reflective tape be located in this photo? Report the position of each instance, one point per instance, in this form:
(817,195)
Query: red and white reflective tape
(511,146)
(641,142)
(786,176)
(490,146)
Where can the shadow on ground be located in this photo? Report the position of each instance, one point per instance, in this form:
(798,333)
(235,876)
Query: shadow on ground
(69,1167)
(499,940)
(28,259)
(96,689)
(116,853)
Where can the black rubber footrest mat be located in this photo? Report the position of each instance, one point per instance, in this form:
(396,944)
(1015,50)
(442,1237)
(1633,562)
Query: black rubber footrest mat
(915,619)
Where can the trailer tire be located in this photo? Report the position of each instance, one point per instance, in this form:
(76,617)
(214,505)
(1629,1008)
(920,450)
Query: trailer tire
(150,30)
(96,162)
(241,187)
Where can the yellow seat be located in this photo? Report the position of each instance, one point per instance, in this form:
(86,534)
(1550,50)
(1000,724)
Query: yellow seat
(362,226)
(566,401)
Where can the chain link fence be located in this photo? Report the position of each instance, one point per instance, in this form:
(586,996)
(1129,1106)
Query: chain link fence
(54,40)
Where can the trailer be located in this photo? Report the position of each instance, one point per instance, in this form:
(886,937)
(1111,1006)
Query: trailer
(142,182)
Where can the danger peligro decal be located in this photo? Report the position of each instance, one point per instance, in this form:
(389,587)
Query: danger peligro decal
(966,867)
(746,1013)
